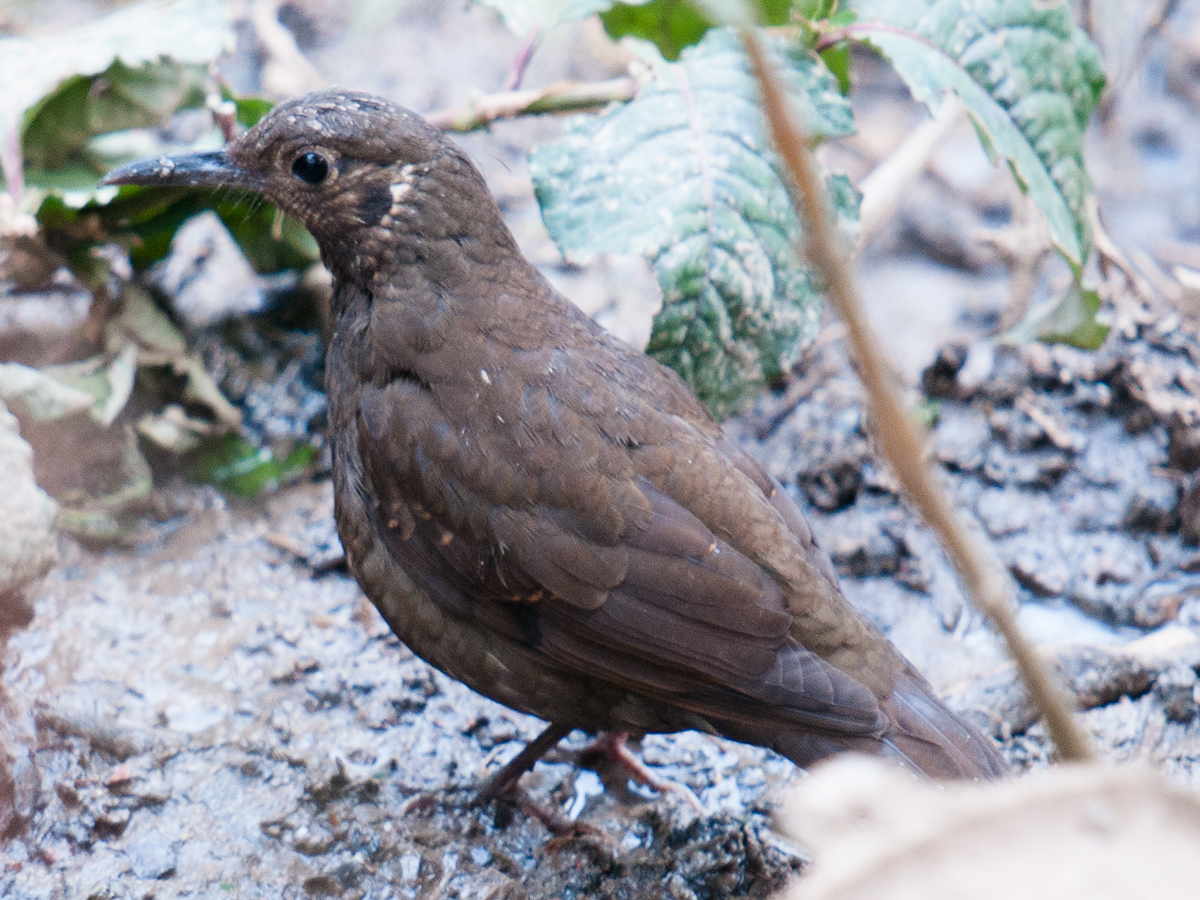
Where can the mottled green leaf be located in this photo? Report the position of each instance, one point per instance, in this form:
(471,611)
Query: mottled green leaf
(685,175)
(187,31)
(69,72)
(1028,77)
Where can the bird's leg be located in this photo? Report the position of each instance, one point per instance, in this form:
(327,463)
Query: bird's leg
(503,785)
(506,779)
(612,746)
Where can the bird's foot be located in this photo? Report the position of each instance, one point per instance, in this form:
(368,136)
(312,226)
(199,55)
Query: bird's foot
(613,747)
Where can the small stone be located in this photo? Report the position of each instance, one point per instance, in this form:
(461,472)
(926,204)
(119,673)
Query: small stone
(410,867)
(1177,690)
(834,485)
(940,379)
(312,840)
(1154,506)
(1161,602)
(112,822)
(1183,449)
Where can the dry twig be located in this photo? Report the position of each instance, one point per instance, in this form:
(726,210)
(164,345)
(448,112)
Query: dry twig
(561,97)
(899,439)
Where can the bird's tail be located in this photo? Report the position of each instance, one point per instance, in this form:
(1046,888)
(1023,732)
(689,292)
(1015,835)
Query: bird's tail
(926,735)
(922,734)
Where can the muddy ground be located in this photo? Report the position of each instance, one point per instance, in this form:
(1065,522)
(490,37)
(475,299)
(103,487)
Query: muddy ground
(220,713)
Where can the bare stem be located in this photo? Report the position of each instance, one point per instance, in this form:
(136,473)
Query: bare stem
(902,444)
(562,97)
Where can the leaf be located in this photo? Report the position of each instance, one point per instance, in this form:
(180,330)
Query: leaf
(120,99)
(1028,77)
(685,175)
(32,69)
(35,395)
(1068,319)
(173,429)
(672,25)
(107,518)
(236,465)
(525,16)
(109,383)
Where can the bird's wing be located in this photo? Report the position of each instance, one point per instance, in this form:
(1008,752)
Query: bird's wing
(565,536)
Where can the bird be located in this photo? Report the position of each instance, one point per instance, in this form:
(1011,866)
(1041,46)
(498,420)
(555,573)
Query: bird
(538,509)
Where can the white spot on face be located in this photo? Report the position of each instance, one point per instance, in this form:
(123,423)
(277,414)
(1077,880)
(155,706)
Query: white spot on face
(399,190)
(484,375)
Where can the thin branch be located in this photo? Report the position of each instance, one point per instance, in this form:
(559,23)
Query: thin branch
(562,97)
(521,62)
(888,183)
(899,439)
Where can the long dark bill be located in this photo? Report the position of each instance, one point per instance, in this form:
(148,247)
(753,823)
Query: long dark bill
(212,168)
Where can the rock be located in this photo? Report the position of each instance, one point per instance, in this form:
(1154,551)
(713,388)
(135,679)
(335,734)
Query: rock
(207,276)
(940,379)
(27,551)
(1080,831)
(27,540)
(1154,506)
(1177,689)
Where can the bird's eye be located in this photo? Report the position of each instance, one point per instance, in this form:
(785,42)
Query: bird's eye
(310,167)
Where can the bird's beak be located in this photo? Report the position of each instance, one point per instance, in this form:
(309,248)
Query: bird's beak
(212,168)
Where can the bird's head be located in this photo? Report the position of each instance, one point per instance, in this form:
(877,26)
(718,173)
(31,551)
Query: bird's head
(375,184)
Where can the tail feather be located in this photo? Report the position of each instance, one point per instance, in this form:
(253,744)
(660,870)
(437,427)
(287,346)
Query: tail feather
(928,736)
(923,734)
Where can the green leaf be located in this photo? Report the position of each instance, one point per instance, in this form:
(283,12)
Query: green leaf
(685,175)
(1069,319)
(837,59)
(120,98)
(1029,79)
(672,25)
(669,24)
(234,464)
(35,70)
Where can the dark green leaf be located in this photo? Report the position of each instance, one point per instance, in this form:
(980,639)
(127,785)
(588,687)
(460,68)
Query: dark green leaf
(685,175)
(672,25)
(1028,77)
(57,133)
(669,24)
(837,59)
(235,465)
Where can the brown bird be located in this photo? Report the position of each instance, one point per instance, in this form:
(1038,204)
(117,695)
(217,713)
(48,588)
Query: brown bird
(539,510)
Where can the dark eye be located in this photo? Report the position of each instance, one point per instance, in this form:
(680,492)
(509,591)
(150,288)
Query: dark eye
(310,167)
